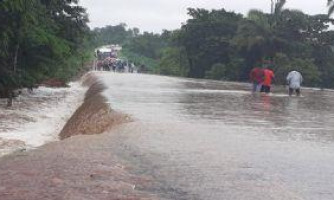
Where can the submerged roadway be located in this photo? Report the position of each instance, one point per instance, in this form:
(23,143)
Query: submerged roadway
(189,139)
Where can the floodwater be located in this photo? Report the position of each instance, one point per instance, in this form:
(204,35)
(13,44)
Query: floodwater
(201,139)
(37,117)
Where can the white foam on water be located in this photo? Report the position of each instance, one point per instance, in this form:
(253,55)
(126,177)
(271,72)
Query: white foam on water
(46,119)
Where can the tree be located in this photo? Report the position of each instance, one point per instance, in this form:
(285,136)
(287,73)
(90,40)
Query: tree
(330,4)
(284,64)
(148,44)
(117,34)
(206,39)
(174,62)
(34,48)
(224,45)
(277,6)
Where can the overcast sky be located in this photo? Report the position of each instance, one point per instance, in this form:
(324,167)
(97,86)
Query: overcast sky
(156,15)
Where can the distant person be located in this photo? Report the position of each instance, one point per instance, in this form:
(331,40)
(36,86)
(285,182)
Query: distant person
(99,55)
(294,80)
(256,77)
(268,76)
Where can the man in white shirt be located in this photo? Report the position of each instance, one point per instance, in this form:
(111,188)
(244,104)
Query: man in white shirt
(294,80)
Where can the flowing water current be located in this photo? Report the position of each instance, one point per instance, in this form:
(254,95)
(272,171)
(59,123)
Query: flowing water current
(202,139)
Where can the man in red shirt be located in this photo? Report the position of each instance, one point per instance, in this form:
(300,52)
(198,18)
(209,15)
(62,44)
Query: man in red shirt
(268,77)
(256,77)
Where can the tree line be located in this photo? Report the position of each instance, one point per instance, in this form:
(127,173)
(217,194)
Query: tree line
(41,39)
(223,45)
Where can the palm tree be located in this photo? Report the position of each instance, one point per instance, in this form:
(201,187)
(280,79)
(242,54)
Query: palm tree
(277,6)
(276,10)
(330,4)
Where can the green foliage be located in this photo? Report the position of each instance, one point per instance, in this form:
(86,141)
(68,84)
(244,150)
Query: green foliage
(206,39)
(283,65)
(173,62)
(218,72)
(143,49)
(113,35)
(229,72)
(261,19)
(139,60)
(147,44)
(226,46)
(223,45)
(34,48)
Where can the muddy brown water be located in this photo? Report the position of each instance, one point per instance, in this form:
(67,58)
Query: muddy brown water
(204,139)
(188,139)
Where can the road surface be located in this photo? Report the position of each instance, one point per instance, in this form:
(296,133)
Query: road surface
(204,139)
(188,139)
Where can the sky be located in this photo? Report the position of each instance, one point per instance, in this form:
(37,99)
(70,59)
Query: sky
(157,15)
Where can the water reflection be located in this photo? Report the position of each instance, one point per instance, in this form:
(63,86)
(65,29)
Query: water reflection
(233,104)
(204,139)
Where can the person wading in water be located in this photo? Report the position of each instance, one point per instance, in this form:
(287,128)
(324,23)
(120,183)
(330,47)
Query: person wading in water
(256,77)
(294,80)
(268,77)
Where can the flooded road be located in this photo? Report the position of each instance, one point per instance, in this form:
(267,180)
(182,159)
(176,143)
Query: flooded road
(203,139)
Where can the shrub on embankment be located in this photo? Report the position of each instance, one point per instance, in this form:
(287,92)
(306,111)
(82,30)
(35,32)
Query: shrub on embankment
(95,115)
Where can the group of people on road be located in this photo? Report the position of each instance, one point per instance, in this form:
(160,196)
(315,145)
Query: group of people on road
(262,79)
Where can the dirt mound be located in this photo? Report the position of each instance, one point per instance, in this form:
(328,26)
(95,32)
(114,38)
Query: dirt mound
(95,115)
(89,79)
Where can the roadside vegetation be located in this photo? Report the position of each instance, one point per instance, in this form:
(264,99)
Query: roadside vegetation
(43,39)
(224,45)
(39,40)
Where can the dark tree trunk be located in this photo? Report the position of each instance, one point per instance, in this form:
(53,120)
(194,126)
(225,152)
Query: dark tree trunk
(17,47)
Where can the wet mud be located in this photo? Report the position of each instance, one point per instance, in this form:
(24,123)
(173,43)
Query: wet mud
(95,115)
(82,167)
(78,167)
